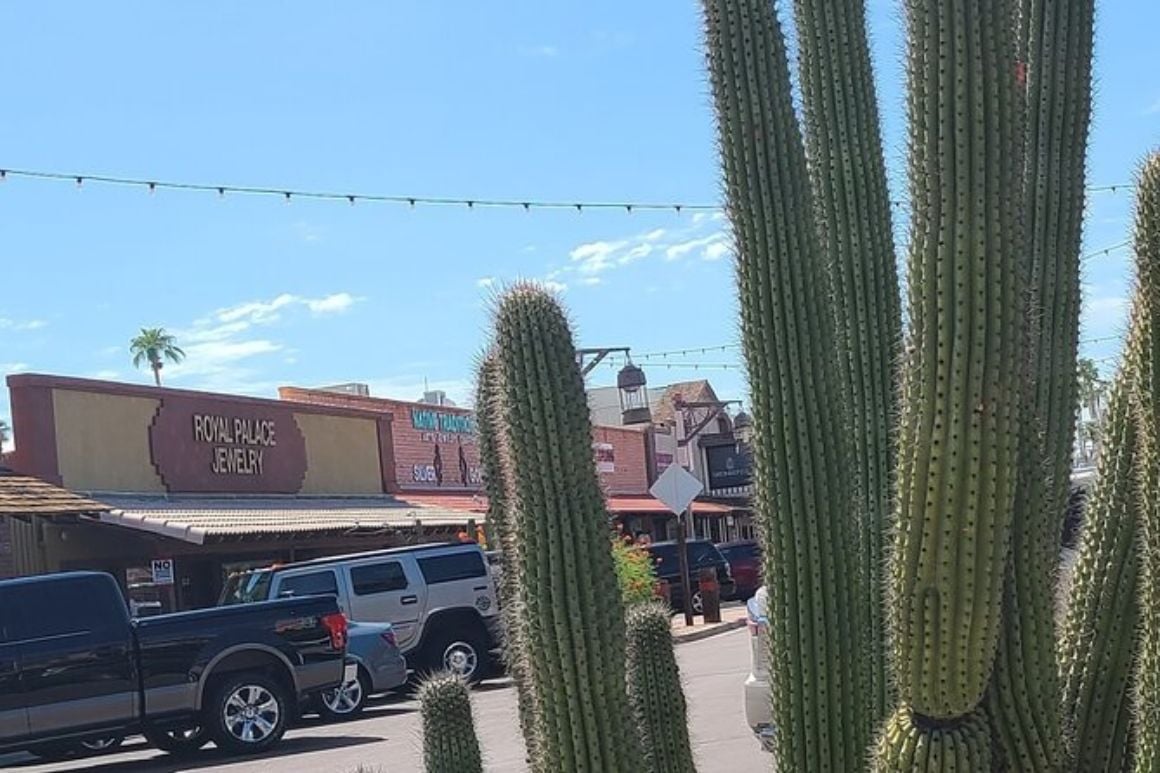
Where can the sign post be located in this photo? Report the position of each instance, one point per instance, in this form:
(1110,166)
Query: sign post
(676,489)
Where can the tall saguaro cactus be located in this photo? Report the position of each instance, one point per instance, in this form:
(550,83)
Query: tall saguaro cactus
(572,621)
(853,213)
(961,399)
(1147,406)
(1024,699)
(802,493)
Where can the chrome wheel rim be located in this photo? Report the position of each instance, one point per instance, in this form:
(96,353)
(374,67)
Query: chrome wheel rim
(100,744)
(698,603)
(460,658)
(344,699)
(251,713)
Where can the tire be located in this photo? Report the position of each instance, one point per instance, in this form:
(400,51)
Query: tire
(345,702)
(180,742)
(697,603)
(247,714)
(463,653)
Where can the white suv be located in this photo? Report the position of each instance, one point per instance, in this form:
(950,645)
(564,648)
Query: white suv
(758,712)
(439,598)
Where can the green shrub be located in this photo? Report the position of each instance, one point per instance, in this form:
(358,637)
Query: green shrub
(634,572)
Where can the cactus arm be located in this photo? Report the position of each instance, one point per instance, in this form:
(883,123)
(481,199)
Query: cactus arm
(802,495)
(849,181)
(1147,407)
(1024,697)
(960,424)
(1098,641)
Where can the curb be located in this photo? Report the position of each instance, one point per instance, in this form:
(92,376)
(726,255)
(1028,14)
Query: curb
(683,637)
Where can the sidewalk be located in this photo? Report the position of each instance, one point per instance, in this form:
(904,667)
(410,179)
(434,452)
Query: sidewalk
(732,618)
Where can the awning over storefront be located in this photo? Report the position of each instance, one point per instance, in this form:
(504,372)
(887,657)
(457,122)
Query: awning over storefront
(649,505)
(199,520)
(21,495)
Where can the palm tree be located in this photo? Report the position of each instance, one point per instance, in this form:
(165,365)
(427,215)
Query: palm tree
(5,431)
(154,346)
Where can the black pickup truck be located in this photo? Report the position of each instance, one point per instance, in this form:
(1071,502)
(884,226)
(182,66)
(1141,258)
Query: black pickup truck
(75,670)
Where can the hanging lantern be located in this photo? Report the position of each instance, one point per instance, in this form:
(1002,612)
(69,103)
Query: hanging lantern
(634,404)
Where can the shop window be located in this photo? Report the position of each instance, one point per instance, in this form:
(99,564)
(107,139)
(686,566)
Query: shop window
(313,584)
(378,578)
(452,567)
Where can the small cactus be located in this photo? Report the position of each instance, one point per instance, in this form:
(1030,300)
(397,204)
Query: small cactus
(449,742)
(654,690)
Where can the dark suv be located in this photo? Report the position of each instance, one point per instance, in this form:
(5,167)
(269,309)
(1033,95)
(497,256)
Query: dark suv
(744,557)
(702,554)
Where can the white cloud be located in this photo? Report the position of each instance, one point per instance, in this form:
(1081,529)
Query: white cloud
(594,257)
(411,387)
(485,281)
(1153,109)
(552,285)
(680,249)
(21,325)
(715,251)
(13,367)
(590,281)
(335,303)
(256,312)
(105,375)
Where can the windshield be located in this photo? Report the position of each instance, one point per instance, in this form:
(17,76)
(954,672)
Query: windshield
(246,587)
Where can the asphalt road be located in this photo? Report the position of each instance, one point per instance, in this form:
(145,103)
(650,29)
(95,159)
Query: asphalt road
(387,737)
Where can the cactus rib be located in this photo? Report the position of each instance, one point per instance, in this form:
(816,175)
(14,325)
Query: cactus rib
(654,690)
(449,742)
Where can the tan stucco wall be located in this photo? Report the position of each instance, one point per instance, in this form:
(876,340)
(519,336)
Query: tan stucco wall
(102,441)
(342,454)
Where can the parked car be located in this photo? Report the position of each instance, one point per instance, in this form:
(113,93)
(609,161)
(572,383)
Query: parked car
(380,667)
(758,713)
(76,673)
(702,554)
(439,598)
(744,557)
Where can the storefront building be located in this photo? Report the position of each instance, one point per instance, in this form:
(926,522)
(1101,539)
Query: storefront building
(198,485)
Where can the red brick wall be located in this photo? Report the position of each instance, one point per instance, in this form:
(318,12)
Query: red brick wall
(630,475)
(414,446)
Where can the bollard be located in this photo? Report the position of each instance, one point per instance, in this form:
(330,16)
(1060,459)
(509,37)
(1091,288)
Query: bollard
(663,591)
(710,595)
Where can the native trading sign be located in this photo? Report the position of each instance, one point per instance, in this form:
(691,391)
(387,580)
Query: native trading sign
(221,446)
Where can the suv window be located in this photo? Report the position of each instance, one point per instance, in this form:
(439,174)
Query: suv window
(312,584)
(59,608)
(452,567)
(701,554)
(734,552)
(377,578)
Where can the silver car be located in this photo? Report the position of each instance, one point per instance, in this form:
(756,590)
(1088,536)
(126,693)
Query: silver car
(758,712)
(372,649)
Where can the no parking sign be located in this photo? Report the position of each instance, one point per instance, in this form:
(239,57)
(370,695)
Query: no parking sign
(163,571)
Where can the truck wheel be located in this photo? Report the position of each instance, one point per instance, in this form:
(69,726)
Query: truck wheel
(461,653)
(180,742)
(102,745)
(347,701)
(247,714)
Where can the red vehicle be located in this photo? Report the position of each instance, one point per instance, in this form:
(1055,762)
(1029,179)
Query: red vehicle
(744,557)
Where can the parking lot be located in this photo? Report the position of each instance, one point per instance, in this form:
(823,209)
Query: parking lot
(387,737)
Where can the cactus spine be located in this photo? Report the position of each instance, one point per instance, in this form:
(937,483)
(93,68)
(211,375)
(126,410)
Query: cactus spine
(961,400)
(654,690)
(1023,703)
(853,214)
(1147,403)
(449,742)
(801,496)
(572,620)
(489,420)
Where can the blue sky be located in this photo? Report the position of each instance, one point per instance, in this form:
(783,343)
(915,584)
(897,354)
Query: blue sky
(594,101)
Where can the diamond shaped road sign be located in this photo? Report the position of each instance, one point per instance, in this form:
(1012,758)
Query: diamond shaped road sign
(676,488)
